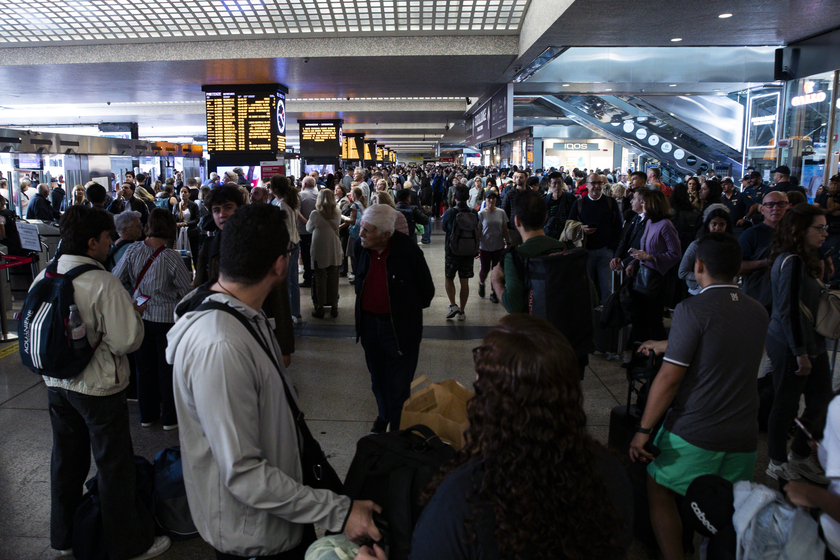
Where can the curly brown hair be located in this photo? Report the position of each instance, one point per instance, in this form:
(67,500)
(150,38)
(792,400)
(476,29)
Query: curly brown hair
(528,432)
(790,236)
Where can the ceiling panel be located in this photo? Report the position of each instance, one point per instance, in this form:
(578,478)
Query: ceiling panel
(38,22)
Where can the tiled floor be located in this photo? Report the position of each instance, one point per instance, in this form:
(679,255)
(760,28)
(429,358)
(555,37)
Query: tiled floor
(330,374)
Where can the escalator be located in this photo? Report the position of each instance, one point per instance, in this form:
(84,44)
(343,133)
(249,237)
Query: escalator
(684,134)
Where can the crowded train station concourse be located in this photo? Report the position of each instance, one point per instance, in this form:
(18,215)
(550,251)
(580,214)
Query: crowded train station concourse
(427,279)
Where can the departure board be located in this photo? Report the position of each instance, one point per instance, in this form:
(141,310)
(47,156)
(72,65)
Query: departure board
(245,118)
(350,149)
(320,138)
(379,153)
(367,152)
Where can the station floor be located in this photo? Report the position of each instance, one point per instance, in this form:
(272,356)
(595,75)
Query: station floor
(329,372)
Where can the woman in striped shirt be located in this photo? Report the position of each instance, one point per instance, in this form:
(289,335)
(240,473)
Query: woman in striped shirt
(158,273)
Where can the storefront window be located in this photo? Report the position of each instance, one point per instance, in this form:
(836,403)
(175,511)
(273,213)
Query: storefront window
(805,139)
(762,129)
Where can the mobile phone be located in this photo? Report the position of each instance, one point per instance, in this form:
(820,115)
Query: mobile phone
(141,299)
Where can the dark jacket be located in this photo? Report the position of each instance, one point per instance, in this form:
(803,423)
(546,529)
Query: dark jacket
(192,224)
(40,209)
(137,205)
(410,288)
(57,198)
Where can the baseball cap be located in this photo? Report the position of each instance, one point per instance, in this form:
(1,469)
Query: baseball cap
(783,169)
(727,180)
(755,175)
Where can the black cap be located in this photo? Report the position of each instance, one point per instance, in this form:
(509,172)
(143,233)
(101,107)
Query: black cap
(727,180)
(783,169)
(746,178)
(708,504)
(755,175)
(835,178)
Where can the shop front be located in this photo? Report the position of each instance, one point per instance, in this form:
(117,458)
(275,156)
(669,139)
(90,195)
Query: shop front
(808,143)
(582,154)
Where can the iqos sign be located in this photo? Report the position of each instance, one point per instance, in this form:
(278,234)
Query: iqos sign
(574,146)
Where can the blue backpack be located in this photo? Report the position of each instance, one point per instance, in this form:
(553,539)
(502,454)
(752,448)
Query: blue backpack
(172,512)
(44,338)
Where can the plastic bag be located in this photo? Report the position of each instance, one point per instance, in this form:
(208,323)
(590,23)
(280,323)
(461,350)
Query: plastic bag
(333,547)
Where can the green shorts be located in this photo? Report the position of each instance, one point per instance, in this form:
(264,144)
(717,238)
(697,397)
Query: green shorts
(680,463)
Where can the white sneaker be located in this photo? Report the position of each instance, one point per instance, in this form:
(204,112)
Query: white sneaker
(461,316)
(170,427)
(160,546)
(809,468)
(453,312)
(782,472)
(66,552)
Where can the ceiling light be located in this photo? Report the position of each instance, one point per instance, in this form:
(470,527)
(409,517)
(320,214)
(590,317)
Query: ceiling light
(724,16)
(672,85)
(566,85)
(676,39)
(715,90)
(608,89)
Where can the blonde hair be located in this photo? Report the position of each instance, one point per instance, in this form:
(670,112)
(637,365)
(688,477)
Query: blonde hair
(383,197)
(325,204)
(143,195)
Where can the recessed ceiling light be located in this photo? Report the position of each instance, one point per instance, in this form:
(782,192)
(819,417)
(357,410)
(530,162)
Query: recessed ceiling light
(566,85)
(608,89)
(724,16)
(672,85)
(716,90)
(676,39)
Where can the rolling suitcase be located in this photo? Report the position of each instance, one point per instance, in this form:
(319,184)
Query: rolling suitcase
(609,337)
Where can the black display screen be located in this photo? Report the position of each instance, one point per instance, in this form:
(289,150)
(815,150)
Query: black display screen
(320,138)
(245,119)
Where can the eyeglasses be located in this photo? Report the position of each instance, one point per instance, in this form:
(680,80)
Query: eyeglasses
(821,228)
(780,204)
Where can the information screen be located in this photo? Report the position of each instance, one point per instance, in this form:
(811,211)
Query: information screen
(320,138)
(379,153)
(350,149)
(368,155)
(242,120)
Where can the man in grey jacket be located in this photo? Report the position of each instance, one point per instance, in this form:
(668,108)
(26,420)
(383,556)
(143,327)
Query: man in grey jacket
(89,412)
(239,440)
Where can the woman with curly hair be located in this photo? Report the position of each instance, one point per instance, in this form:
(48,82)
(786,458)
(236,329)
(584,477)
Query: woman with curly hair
(797,352)
(530,481)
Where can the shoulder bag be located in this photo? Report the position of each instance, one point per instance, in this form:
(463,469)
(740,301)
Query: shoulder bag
(317,471)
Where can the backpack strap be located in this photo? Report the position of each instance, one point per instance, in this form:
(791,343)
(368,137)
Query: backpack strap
(215,305)
(147,265)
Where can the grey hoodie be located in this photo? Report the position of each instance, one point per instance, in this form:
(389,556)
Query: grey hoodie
(239,442)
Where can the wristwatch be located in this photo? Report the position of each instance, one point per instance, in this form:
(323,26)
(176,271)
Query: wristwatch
(641,430)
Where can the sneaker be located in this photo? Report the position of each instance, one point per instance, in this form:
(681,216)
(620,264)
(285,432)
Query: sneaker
(453,311)
(170,427)
(809,468)
(481,290)
(160,546)
(351,276)
(379,426)
(462,316)
(782,472)
(493,298)
(147,424)
(66,552)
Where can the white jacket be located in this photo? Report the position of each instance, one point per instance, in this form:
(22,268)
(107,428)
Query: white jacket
(107,311)
(239,442)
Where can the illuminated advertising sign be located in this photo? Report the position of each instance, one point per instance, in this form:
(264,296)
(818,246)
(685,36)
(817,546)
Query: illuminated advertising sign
(810,96)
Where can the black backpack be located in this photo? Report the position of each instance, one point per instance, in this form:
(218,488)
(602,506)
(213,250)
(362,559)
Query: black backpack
(409,218)
(45,344)
(558,290)
(465,233)
(172,512)
(392,469)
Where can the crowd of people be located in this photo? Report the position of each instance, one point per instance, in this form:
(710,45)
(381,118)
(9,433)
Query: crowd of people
(209,362)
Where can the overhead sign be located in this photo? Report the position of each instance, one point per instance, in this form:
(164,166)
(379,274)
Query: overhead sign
(321,138)
(380,153)
(481,124)
(353,147)
(501,112)
(270,169)
(370,150)
(245,118)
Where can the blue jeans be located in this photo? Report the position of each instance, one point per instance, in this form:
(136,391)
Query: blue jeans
(427,234)
(391,371)
(81,424)
(294,281)
(598,269)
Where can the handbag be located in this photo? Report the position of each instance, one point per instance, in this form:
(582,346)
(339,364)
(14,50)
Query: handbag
(317,471)
(649,282)
(827,322)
